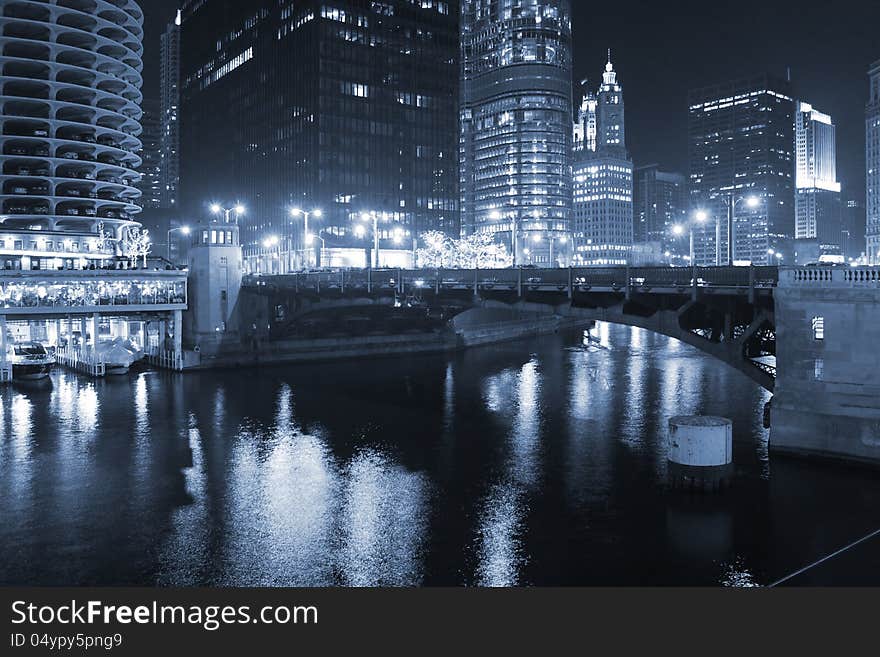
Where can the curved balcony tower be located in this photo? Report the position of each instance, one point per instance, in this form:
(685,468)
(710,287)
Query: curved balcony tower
(70,80)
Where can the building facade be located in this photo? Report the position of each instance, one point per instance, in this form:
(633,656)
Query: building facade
(872,152)
(516,118)
(169,108)
(660,204)
(151,157)
(818,211)
(69,132)
(343,107)
(741,153)
(603,178)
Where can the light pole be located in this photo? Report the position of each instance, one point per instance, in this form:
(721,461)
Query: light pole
(678,230)
(374,217)
(310,239)
(238,209)
(184,230)
(271,242)
(730,201)
(305,214)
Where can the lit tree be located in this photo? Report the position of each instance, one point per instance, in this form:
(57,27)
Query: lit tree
(136,245)
(481,251)
(438,251)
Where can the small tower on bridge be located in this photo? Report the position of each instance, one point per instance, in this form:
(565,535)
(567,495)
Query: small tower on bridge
(215,270)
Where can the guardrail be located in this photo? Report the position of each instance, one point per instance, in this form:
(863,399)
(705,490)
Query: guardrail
(614,278)
(165,359)
(840,276)
(80,362)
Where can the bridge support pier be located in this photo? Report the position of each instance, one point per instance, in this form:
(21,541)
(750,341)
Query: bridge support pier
(827,401)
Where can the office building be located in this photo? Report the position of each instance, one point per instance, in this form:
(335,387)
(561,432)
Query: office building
(169,90)
(818,211)
(346,110)
(742,162)
(603,178)
(872,152)
(516,125)
(660,204)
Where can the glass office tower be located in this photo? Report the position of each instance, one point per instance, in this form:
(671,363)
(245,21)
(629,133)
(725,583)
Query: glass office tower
(516,118)
(872,153)
(742,152)
(341,106)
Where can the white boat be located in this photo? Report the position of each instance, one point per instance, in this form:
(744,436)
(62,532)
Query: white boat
(116,358)
(30,361)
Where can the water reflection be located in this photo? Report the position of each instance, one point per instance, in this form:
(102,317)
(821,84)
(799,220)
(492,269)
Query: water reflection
(531,463)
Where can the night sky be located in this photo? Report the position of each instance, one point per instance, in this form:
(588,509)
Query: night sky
(662,49)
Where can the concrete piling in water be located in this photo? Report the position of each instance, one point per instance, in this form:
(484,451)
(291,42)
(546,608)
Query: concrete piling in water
(700,453)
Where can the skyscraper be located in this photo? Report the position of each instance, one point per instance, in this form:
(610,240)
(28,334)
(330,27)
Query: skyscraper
(349,108)
(741,152)
(872,151)
(169,88)
(603,179)
(817,191)
(69,131)
(516,118)
(659,204)
(151,156)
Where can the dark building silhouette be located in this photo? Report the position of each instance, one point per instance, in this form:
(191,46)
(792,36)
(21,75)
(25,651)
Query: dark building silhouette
(351,109)
(659,203)
(741,146)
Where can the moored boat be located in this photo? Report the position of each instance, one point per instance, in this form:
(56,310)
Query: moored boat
(31,361)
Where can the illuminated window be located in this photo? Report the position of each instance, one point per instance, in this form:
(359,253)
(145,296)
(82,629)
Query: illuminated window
(818,328)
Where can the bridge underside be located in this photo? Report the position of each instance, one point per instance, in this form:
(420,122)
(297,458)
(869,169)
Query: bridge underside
(733,325)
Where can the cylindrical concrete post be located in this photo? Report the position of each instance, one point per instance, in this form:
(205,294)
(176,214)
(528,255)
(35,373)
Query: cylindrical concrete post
(700,452)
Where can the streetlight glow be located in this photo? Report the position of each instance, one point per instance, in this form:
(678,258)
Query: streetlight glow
(215,208)
(701,216)
(753,201)
(678,229)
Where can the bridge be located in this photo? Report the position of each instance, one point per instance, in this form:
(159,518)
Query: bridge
(727,312)
(807,334)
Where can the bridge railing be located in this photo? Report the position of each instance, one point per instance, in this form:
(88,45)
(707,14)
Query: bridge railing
(838,276)
(615,278)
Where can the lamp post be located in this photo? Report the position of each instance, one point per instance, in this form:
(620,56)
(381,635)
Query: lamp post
(184,230)
(730,201)
(373,217)
(305,214)
(700,217)
(271,242)
(238,209)
(310,239)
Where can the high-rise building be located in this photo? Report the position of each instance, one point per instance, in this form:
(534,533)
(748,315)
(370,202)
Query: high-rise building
(872,151)
(169,89)
(741,152)
(151,157)
(349,108)
(69,131)
(853,230)
(603,179)
(659,204)
(818,212)
(516,119)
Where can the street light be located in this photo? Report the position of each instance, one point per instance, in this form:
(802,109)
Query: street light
(374,217)
(305,214)
(310,239)
(271,242)
(184,230)
(238,209)
(731,201)
(700,216)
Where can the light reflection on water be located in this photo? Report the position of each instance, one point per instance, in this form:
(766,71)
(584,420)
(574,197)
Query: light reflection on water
(531,463)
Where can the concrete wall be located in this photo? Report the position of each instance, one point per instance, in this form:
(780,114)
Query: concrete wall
(827,400)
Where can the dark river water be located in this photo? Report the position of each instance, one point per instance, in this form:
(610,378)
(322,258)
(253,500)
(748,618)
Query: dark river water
(538,462)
